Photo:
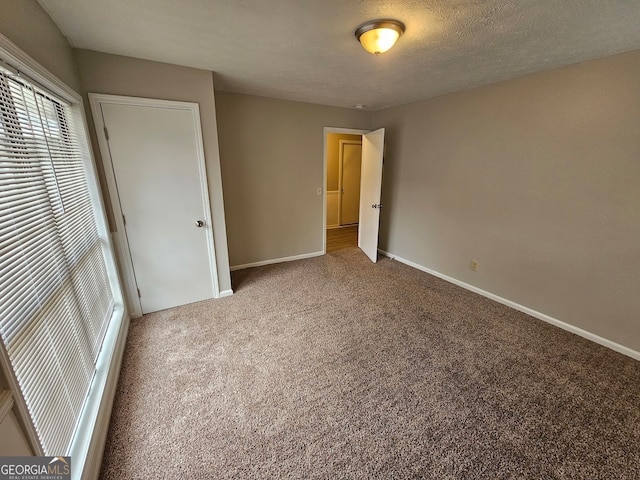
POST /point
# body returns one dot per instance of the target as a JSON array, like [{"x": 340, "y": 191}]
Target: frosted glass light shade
[{"x": 378, "y": 37}]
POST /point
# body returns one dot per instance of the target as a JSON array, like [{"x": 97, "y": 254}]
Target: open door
[{"x": 370, "y": 189}]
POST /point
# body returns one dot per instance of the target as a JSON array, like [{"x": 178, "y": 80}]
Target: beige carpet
[{"x": 334, "y": 367}]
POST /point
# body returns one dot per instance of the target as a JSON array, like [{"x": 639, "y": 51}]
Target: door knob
[{"x": 199, "y": 223}]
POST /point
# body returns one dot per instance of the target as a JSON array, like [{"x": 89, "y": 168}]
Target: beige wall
[
  {"x": 27, "y": 25},
  {"x": 116, "y": 75},
  {"x": 333, "y": 157},
  {"x": 539, "y": 180},
  {"x": 272, "y": 161}
]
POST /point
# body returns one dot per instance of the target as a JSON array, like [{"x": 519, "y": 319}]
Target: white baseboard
[
  {"x": 225, "y": 293},
  {"x": 516, "y": 306},
  {"x": 276, "y": 260}
]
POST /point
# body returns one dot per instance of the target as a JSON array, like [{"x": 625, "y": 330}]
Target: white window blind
[{"x": 55, "y": 295}]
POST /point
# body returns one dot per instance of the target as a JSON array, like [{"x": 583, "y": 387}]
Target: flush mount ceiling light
[{"x": 378, "y": 36}]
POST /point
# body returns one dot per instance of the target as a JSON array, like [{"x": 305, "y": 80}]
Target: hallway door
[{"x": 350, "y": 166}]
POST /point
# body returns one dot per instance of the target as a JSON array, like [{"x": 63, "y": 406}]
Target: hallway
[{"x": 344, "y": 237}]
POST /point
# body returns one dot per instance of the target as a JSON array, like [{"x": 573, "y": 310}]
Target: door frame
[
  {"x": 341, "y": 145},
  {"x": 123, "y": 253},
  {"x": 326, "y": 132}
]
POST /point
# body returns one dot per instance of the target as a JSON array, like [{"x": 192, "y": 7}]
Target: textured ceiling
[{"x": 305, "y": 50}]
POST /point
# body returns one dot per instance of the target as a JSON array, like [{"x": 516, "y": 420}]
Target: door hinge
[
  {"x": 139, "y": 295},
  {"x": 106, "y": 133}
]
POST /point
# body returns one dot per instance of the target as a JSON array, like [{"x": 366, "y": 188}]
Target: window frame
[{"x": 88, "y": 443}]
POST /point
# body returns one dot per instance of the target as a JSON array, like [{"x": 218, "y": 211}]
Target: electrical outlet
[{"x": 473, "y": 265}]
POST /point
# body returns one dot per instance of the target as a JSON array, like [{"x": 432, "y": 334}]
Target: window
[{"x": 56, "y": 298}]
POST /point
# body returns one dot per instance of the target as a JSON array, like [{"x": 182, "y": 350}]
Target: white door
[
  {"x": 158, "y": 167},
  {"x": 370, "y": 190},
  {"x": 350, "y": 164}
]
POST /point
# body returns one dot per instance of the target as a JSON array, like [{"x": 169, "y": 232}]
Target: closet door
[{"x": 155, "y": 151}]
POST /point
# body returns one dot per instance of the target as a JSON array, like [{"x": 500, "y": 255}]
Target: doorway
[
  {"x": 366, "y": 225},
  {"x": 343, "y": 159}
]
